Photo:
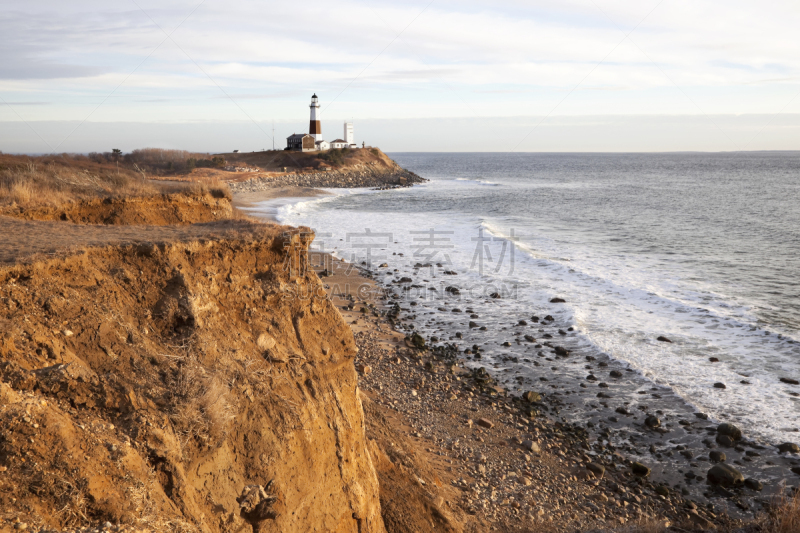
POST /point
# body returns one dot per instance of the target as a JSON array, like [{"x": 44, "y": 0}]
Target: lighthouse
[{"x": 314, "y": 127}]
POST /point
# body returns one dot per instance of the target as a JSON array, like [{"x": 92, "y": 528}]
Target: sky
[{"x": 467, "y": 75}]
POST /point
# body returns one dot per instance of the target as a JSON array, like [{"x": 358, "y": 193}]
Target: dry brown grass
[
  {"x": 55, "y": 180},
  {"x": 647, "y": 525},
  {"x": 201, "y": 407},
  {"x": 784, "y": 515},
  {"x": 277, "y": 160},
  {"x": 215, "y": 188}
]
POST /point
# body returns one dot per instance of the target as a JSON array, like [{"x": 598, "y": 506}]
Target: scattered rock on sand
[
  {"x": 719, "y": 385},
  {"x": 596, "y": 470},
  {"x": 725, "y": 475},
  {"x": 615, "y": 374},
  {"x": 663, "y": 339},
  {"x": 790, "y": 381},
  {"x": 485, "y": 423},
  {"x": 557, "y": 301},
  {"x": 703, "y": 523},
  {"x": 789, "y": 447},
  {"x": 531, "y": 446}
]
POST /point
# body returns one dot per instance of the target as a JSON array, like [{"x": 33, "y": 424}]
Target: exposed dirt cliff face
[
  {"x": 158, "y": 210},
  {"x": 151, "y": 384}
]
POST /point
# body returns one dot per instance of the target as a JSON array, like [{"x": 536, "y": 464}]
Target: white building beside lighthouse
[
  {"x": 348, "y": 134},
  {"x": 296, "y": 142}
]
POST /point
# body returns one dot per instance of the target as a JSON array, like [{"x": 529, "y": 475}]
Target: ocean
[{"x": 703, "y": 249}]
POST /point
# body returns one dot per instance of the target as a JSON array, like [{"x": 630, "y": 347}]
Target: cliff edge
[{"x": 189, "y": 386}]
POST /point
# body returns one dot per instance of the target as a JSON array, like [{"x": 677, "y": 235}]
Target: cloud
[
  {"x": 470, "y": 58},
  {"x": 12, "y": 103},
  {"x": 22, "y": 69}
]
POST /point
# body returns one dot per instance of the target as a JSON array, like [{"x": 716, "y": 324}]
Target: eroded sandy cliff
[{"x": 151, "y": 384}]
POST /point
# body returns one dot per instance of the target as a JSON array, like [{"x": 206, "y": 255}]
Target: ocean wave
[{"x": 482, "y": 182}]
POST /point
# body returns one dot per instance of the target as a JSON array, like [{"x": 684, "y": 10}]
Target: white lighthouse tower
[{"x": 315, "y": 129}]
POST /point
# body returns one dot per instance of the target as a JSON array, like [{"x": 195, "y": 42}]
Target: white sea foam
[
  {"x": 482, "y": 182},
  {"x": 619, "y": 304}
]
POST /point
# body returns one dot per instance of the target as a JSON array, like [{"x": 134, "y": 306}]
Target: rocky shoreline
[
  {"x": 357, "y": 176},
  {"x": 515, "y": 465},
  {"x": 547, "y": 455}
]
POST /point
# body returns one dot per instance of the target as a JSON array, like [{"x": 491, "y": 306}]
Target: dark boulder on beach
[
  {"x": 529, "y": 338},
  {"x": 789, "y": 447},
  {"x": 652, "y": 421},
  {"x": 534, "y": 319},
  {"x": 522, "y": 323},
  {"x": 452, "y": 290},
  {"x": 730, "y": 430},
  {"x": 753, "y": 484},
  {"x": 557, "y": 300},
  {"x": 549, "y": 318},
  {"x": 663, "y": 339},
  {"x": 640, "y": 470},
  {"x": 725, "y": 475},
  {"x": 560, "y": 350},
  {"x": 716, "y": 456},
  {"x": 790, "y": 381},
  {"x": 405, "y": 280},
  {"x": 495, "y": 295},
  {"x": 713, "y": 359},
  {"x": 719, "y": 385},
  {"x": 531, "y": 396},
  {"x": 724, "y": 440},
  {"x": 418, "y": 341},
  {"x": 615, "y": 374},
  {"x": 473, "y": 324}
]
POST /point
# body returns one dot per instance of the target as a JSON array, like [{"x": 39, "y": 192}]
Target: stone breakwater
[{"x": 359, "y": 176}]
